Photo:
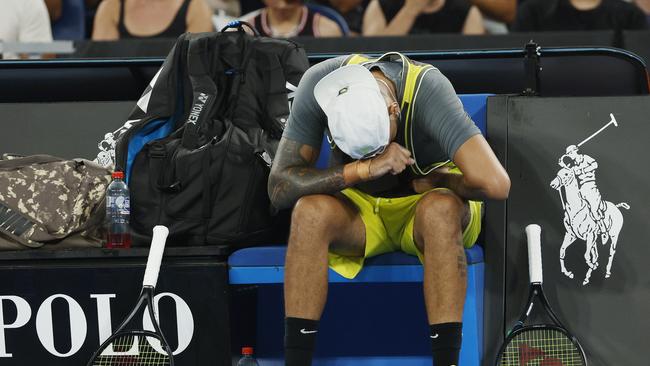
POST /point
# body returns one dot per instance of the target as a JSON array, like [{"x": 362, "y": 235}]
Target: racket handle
[
  {"x": 533, "y": 234},
  {"x": 155, "y": 255}
]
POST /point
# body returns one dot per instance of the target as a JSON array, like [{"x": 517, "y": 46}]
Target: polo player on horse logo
[
  {"x": 584, "y": 167},
  {"x": 586, "y": 214}
]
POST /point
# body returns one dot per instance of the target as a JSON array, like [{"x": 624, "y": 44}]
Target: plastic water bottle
[
  {"x": 247, "y": 357},
  {"x": 118, "y": 210}
]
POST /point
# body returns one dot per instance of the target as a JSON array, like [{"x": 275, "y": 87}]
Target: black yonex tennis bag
[{"x": 196, "y": 150}]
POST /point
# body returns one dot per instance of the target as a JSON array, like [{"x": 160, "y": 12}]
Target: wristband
[{"x": 363, "y": 169}]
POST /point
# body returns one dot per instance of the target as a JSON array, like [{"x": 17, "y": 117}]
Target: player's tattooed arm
[{"x": 293, "y": 174}]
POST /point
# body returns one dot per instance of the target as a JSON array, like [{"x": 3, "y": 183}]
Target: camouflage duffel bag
[{"x": 49, "y": 201}]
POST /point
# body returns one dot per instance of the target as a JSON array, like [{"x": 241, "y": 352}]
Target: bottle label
[{"x": 121, "y": 205}]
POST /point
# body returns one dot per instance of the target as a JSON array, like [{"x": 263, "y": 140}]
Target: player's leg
[
  {"x": 440, "y": 219},
  {"x": 318, "y": 223}
]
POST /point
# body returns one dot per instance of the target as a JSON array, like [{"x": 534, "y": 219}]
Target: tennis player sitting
[{"x": 400, "y": 140}]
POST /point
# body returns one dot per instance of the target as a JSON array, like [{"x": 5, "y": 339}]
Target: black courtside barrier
[
  {"x": 57, "y": 307},
  {"x": 567, "y": 71},
  {"x": 562, "y": 155}
]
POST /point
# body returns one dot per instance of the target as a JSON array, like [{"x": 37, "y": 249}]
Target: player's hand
[{"x": 393, "y": 160}]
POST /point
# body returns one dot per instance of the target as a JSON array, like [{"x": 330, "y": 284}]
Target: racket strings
[
  {"x": 541, "y": 347},
  {"x": 132, "y": 350}
]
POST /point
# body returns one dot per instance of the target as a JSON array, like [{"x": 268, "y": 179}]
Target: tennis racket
[
  {"x": 539, "y": 344},
  {"x": 130, "y": 344}
]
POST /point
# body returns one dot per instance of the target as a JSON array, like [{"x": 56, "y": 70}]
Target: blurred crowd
[{"x": 102, "y": 20}]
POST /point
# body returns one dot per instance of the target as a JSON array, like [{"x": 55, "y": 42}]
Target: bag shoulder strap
[
  {"x": 204, "y": 90},
  {"x": 12, "y": 164},
  {"x": 276, "y": 107}
]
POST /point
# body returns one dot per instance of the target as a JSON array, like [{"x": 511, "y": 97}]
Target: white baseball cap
[{"x": 356, "y": 111}]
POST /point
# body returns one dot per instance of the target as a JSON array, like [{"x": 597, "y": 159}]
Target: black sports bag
[{"x": 198, "y": 147}]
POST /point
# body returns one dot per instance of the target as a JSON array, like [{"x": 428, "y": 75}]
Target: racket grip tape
[
  {"x": 533, "y": 234},
  {"x": 155, "y": 255}
]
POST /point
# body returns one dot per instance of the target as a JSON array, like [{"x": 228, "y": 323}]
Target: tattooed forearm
[
  {"x": 294, "y": 176},
  {"x": 456, "y": 182}
]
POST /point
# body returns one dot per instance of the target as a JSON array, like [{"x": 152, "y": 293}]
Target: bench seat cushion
[{"x": 274, "y": 256}]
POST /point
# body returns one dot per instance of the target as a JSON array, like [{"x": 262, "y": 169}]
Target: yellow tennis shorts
[{"x": 389, "y": 227}]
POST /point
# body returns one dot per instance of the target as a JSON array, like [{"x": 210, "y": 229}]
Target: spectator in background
[
  {"x": 54, "y": 8},
  {"x": 92, "y": 4},
  {"x": 229, "y": 7},
  {"x": 351, "y": 10},
  {"x": 120, "y": 19},
  {"x": 576, "y": 15},
  {"x": 645, "y": 7},
  {"x": 24, "y": 21},
  {"x": 400, "y": 17},
  {"x": 291, "y": 18},
  {"x": 500, "y": 10},
  {"x": 91, "y": 10},
  {"x": 224, "y": 11}
]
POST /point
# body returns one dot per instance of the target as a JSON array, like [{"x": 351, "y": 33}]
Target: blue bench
[{"x": 265, "y": 266}]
